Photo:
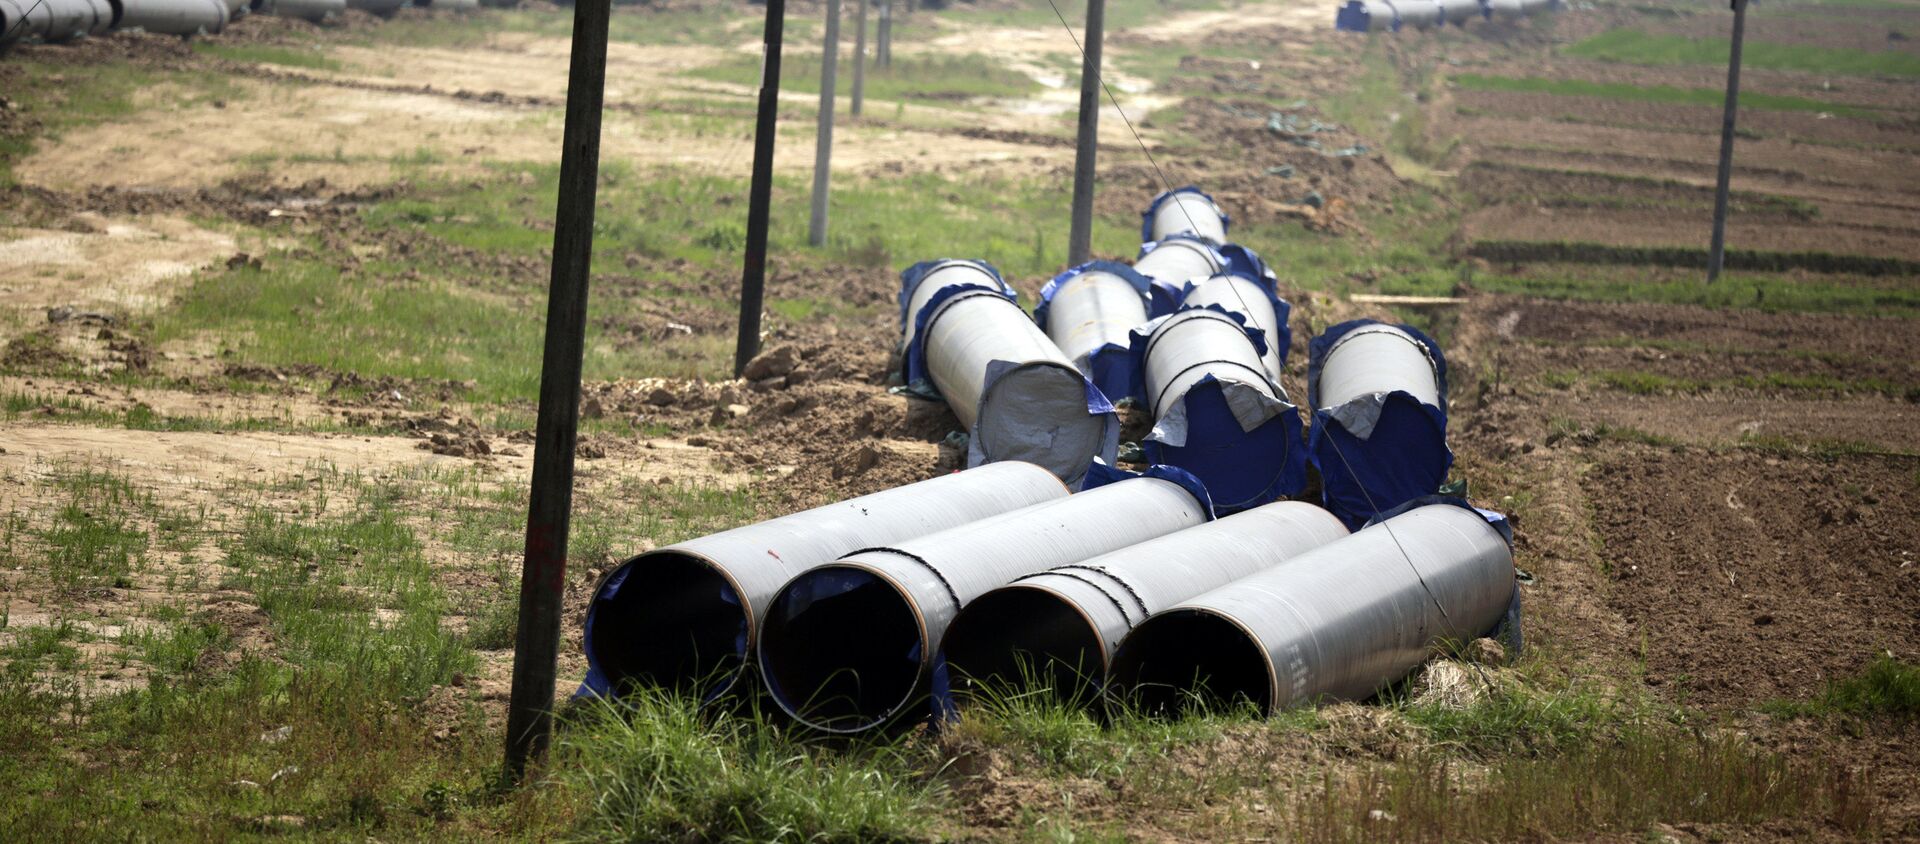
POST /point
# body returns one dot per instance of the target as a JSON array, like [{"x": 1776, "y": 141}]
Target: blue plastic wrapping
[
  {"x": 1244, "y": 444},
  {"x": 1377, "y": 451}
]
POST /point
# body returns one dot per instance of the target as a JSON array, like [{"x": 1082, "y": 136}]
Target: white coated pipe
[
  {"x": 1255, "y": 301},
  {"x": 310, "y": 10},
  {"x": 65, "y": 20},
  {"x": 849, "y": 646},
  {"x": 1060, "y": 627},
  {"x": 1458, "y": 12},
  {"x": 682, "y": 616},
  {"x": 1419, "y": 14},
  {"x": 1375, "y": 359},
  {"x": 1339, "y": 622},
  {"x": 929, "y": 278},
  {"x": 1093, "y": 309},
  {"x": 1186, "y": 211},
  {"x": 174, "y": 17},
  {"x": 1216, "y": 413},
  {"x": 383, "y": 8}
]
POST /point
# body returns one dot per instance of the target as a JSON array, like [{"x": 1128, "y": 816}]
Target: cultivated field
[{"x": 271, "y": 307}]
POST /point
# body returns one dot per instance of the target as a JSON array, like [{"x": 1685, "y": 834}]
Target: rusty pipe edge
[
  {"x": 848, "y": 647},
  {"x": 1339, "y": 622},
  {"x": 683, "y": 616}
]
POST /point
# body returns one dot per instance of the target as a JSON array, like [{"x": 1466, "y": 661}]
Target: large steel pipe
[
  {"x": 1172, "y": 262},
  {"x": 22, "y": 20},
  {"x": 1257, "y": 301},
  {"x": 64, "y": 20},
  {"x": 850, "y": 646},
  {"x": 1059, "y": 628},
  {"x": 1216, "y": 412},
  {"x": 683, "y": 616},
  {"x": 1013, "y": 390},
  {"x": 449, "y": 5},
  {"x": 1419, "y": 14},
  {"x": 1090, "y": 312},
  {"x": 310, "y": 10},
  {"x": 1379, "y": 437},
  {"x": 1458, "y": 12},
  {"x": 1341, "y": 621},
  {"x": 174, "y": 17},
  {"x": 383, "y": 8},
  {"x": 1185, "y": 210},
  {"x": 920, "y": 282}
]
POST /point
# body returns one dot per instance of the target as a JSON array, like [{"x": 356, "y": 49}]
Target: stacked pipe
[
  {"x": 1341, "y": 621},
  {"x": 174, "y": 17},
  {"x": 1060, "y": 627},
  {"x": 1018, "y": 396},
  {"x": 1189, "y": 212},
  {"x": 383, "y": 8},
  {"x": 1395, "y": 15},
  {"x": 684, "y": 616},
  {"x": 1090, "y": 312},
  {"x": 1379, "y": 435},
  {"x": 54, "y": 20},
  {"x": 1173, "y": 261},
  {"x": 850, "y": 646}
]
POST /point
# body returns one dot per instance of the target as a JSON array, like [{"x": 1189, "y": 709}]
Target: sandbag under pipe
[
  {"x": 1379, "y": 435},
  {"x": 309, "y": 10},
  {"x": 683, "y": 616},
  {"x": 1216, "y": 412},
  {"x": 851, "y": 646},
  {"x": 1059, "y": 628},
  {"x": 1339, "y": 622},
  {"x": 174, "y": 17},
  {"x": 1259, "y": 303},
  {"x": 1183, "y": 210},
  {"x": 1090, "y": 312},
  {"x": 1016, "y": 394}
]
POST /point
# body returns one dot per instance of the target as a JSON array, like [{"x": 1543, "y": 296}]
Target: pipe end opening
[
  {"x": 675, "y": 622},
  {"x": 1188, "y": 661},
  {"x": 842, "y": 649},
  {"x": 1018, "y": 639}
]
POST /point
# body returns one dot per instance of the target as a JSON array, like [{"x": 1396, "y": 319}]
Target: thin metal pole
[
  {"x": 823, "y": 145},
  {"x": 1718, "y": 255},
  {"x": 1080, "y": 236},
  {"x": 859, "y": 54},
  {"x": 759, "y": 193},
  {"x": 883, "y": 53},
  {"x": 544, "y": 570}
]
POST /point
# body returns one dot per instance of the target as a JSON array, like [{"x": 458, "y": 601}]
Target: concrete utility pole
[
  {"x": 1080, "y": 236},
  {"x": 543, "y": 572},
  {"x": 823, "y": 145},
  {"x": 753, "y": 275},
  {"x": 859, "y": 55},
  {"x": 883, "y": 53},
  {"x": 1717, "y": 257}
]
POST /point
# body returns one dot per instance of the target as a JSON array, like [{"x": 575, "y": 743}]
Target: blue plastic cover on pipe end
[
  {"x": 911, "y": 277},
  {"x": 1403, "y": 457},
  {"x": 1206, "y": 434},
  {"x": 1243, "y": 261},
  {"x": 1146, "y": 217},
  {"x": 1318, "y": 347},
  {"x": 1104, "y": 472},
  {"x": 1352, "y": 17},
  {"x": 1126, "y": 273},
  {"x": 1110, "y": 368}
]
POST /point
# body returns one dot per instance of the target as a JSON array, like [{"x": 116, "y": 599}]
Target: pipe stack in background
[
  {"x": 1379, "y": 435},
  {"x": 1090, "y": 311},
  {"x": 174, "y": 17},
  {"x": 61, "y": 21},
  {"x": 851, "y": 646},
  {"x": 1018, "y": 396},
  {"x": 685, "y": 616},
  {"x": 311, "y": 10},
  {"x": 1395, "y": 15}
]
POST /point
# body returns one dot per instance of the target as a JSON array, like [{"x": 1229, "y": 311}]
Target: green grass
[
  {"x": 932, "y": 77},
  {"x": 1650, "y": 93},
  {"x": 1629, "y": 46},
  {"x": 268, "y": 54},
  {"x": 1886, "y": 687}
]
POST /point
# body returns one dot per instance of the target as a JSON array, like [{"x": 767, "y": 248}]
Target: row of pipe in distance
[
  {"x": 60, "y": 21},
  {"x": 1395, "y": 15},
  {"x": 1042, "y": 564}
]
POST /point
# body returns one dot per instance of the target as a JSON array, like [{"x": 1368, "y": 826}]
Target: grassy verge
[
  {"x": 1628, "y": 46},
  {"x": 1759, "y": 291},
  {"x": 1650, "y": 93},
  {"x": 268, "y": 54}
]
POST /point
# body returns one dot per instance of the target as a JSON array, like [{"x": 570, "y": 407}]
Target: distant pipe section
[
  {"x": 1339, "y": 622},
  {"x": 64, "y": 20},
  {"x": 1395, "y": 15},
  {"x": 174, "y": 17},
  {"x": 1018, "y": 396},
  {"x": 1257, "y": 301},
  {"x": 1058, "y": 629},
  {"x": 1090, "y": 312},
  {"x": 683, "y": 616},
  {"x": 1217, "y": 414},
  {"x": 308, "y": 10},
  {"x": 1185, "y": 210},
  {"x": 1173, "y": 262},
  {"x": 1379, "y": 437},
  {"x": 383, "y": 8},
  {"x": 850, "y": 646},
  {"x": 1459, "y": 12}
]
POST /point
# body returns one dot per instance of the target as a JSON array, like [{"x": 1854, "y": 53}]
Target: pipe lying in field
[
  {"x": 1090, "y": 311},
  {"x": 683, "y": 616},
  {"x": 1174, "y": 261},
  {"x": 56, "y": 21},
  {"x": 1458, "y": 12},
  {"x": 850, "y": 646},
  {"x": 174, "y": 17},
  {"x": 1059, "y": 628},
  {"x": 1419, "y": 14},
  {"x": 1379, "y": 436},
  {"x": 1341, "y": 621},
  {"x": 1216, "y": 412},
  {"x": 1185, "y": 210},
  {"x": 920, "y": 282},
  {"x": 309, "y": 10},
  {"x": 1255, "y": 300},
  {"x": 1013, "y": 390},
  {"x": 21, "y": 20},
  {"x": 383, "y": 8},
  {"x": 1366, "y": 16}
]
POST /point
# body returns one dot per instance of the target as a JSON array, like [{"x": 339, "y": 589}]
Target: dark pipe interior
[
  {"x": 675, "y": 622},
  {"x": 256, "y": 5},
  {"x": 1013, "y": 640},
  {"x": 1187, "y": 660},
  {"x": 841, "y": 649},
  {"x": 118, "y": 10}
]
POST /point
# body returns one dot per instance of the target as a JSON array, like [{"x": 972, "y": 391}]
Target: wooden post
[{"x": 1080, "y": 234}]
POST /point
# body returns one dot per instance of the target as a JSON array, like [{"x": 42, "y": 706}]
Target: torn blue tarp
[
  {"x": 1183, "y": 214},
  {"x": 1101, "y": 318},
  {"x": 1385, "y": 442},
  {"x": 1243, "y": 261}
]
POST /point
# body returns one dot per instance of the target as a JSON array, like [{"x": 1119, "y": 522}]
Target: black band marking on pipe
[{"x": 937, "y": 575}]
